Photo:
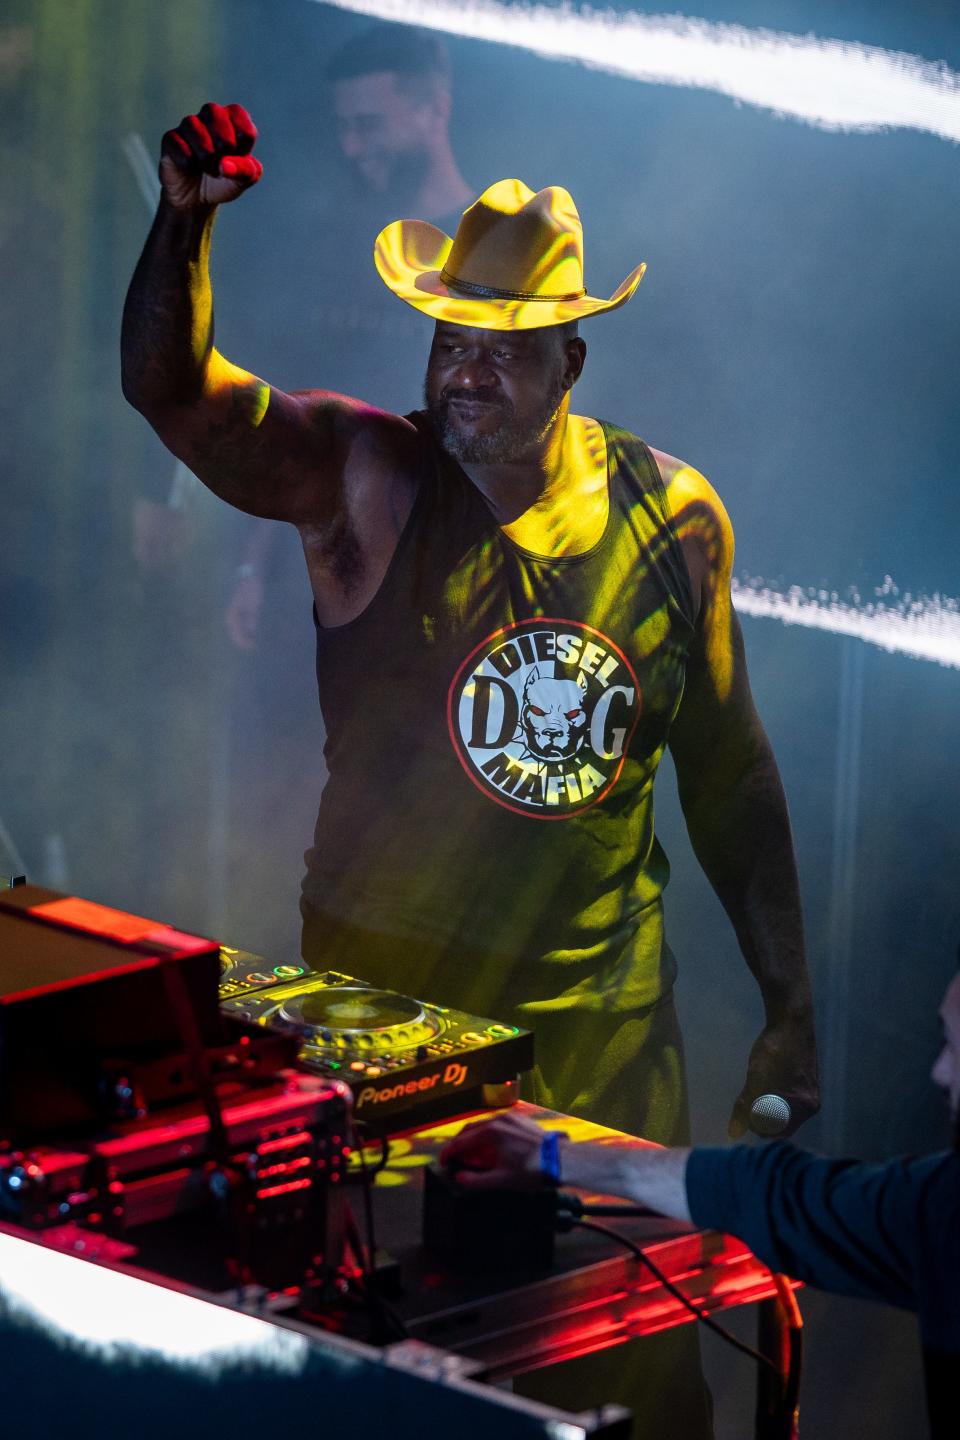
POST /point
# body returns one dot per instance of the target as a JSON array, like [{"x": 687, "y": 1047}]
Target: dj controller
[{"x": 395, "y": 1053}]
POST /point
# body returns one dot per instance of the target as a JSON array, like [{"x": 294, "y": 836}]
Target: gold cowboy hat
[{"x": 515, "y": 263}]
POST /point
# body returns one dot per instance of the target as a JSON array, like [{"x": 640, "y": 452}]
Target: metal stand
[{"x": 780, "y": 1338}]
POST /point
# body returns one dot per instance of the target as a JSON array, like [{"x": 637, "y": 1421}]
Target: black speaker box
[
  {"x": 83, "y": 997},
  {"x": 479, "y": 1232}
]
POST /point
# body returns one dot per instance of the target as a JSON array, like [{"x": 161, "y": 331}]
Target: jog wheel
[{"x": 357, "y": 1017}]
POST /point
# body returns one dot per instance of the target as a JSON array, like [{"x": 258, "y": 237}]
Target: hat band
[{"x": 490, "y": 292}]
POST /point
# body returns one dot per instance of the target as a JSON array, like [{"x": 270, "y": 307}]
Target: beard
[
  {"x": 513, "y": 437},
  {"x": 396, "y": 182}
]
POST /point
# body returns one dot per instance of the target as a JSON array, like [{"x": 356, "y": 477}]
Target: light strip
[
  {"x": 833, "y": 84},
  {"x": 109, "y": 1312},
  {"x": 927, "y": 628}
]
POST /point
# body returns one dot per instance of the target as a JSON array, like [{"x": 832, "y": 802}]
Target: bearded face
[{"x": 493, "y": 396}]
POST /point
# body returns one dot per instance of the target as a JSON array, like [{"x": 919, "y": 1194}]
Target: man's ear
[{"x": 575, "y": 358}]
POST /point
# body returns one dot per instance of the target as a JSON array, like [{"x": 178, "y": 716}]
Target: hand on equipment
[
  {"x": 206, "y": 160},
  {"x": 506, "y": 1152},
  {"x": 782, "y": 1064}
]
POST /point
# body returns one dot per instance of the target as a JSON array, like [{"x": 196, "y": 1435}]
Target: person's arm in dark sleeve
[{"x": 841, "y": 1225}]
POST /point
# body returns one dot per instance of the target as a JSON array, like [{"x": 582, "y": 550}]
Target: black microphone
[{"x": 769, "y": 1115}]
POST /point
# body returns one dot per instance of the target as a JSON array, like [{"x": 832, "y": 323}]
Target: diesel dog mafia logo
[
  {"x": 541, "y": 714},
  {"x": 447, "y": 1077}
]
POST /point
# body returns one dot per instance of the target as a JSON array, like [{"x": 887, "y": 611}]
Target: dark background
[{"x": 795, "y": 338}]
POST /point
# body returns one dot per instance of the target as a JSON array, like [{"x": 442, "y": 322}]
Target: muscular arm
[
  {"x": 254, "y": 446},
  {"x": 735, "y": 809},
  {"x": 281, "y": 456}
]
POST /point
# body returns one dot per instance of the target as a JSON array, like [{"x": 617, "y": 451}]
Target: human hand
[
  {"x": 161, "y": 535},
  {"x": 783, "y": 1061},
  {"x": 495, "y": 1154},
  {"x": 242, "y": 615},
  {"x": 206, "y": 160}
]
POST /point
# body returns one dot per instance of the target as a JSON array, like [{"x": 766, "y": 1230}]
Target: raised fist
[{"x": 206, "y": 160}]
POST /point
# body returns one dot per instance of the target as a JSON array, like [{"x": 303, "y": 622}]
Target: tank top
[{"x": 494, "y": 722}]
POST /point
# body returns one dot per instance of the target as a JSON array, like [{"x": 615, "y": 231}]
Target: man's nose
[
  {"x": 942, "y": 1071},
  {"x": 474, "y": 372},
  {"x": 351, "y": 143}
]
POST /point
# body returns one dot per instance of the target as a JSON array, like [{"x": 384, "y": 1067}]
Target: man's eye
[
  {"x": 571, "y": 714},
  {"x": 535, "y": 711}
]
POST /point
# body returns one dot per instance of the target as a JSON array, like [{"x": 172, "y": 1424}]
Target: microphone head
[{"x": 769, "y": 1115}]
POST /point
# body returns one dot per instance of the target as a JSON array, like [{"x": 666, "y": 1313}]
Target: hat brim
[{"x": 410, "y": 254}]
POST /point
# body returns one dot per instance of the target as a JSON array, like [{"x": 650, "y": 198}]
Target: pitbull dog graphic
[{"x": 553, "y": 721}]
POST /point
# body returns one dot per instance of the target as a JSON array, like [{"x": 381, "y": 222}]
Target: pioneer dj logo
[
  {"x": 449, "y": 1078},
  {"x": 541, "y": 714}
]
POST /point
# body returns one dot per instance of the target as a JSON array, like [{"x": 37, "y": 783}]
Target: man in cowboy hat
[{"x": 516, "y": 606}]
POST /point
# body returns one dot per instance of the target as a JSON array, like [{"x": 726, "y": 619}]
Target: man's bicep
[
  {"x": 716, "y": 690},
  {"x": 716, "y": 718},
  {"x": 276, "y": 455}
]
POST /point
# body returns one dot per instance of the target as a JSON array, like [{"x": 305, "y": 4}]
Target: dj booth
[{"x": 219, "y": 1205}]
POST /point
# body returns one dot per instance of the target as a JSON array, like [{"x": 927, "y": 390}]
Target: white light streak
[
  {"x": 110, "y": 1312},
  {"x": 833, "y": 84},
  {"x": 144, "y": 168},
  {"x": 925, "y": 627}
]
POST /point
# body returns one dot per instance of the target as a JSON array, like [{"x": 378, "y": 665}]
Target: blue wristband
[{"x": 550, "y": 1157}]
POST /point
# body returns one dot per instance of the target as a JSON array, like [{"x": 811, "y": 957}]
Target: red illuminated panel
[
  {"x": 108, "y": 924},
  {"x": 177, "y": 940},
  {"x": 95, "y": 919}
]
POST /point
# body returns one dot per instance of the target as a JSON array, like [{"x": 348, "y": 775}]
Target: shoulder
[
  {"x": 378, "y": 457},
  {"x": 356, "y": 425},
  {"x": 690, "y": 494},
  {"x": 701, "y": 524},
  {"x": 372, "y": 447}
]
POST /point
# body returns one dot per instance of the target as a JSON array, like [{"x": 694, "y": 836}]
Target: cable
[
  {"x": 367, "y": 1185},
  {"x": 382, "y": 1312},
  {"x": 790, "y": 1380},
  {"x": 359, "y": 1128},
  {"x": 674, "y": 1290}
]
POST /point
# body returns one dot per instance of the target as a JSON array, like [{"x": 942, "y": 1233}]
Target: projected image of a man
[
  {"x": 389, "y": 98},
  {"x": 391, "y": 102}
]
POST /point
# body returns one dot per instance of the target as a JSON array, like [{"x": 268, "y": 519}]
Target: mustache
[{"x": 477, "y": 397}]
